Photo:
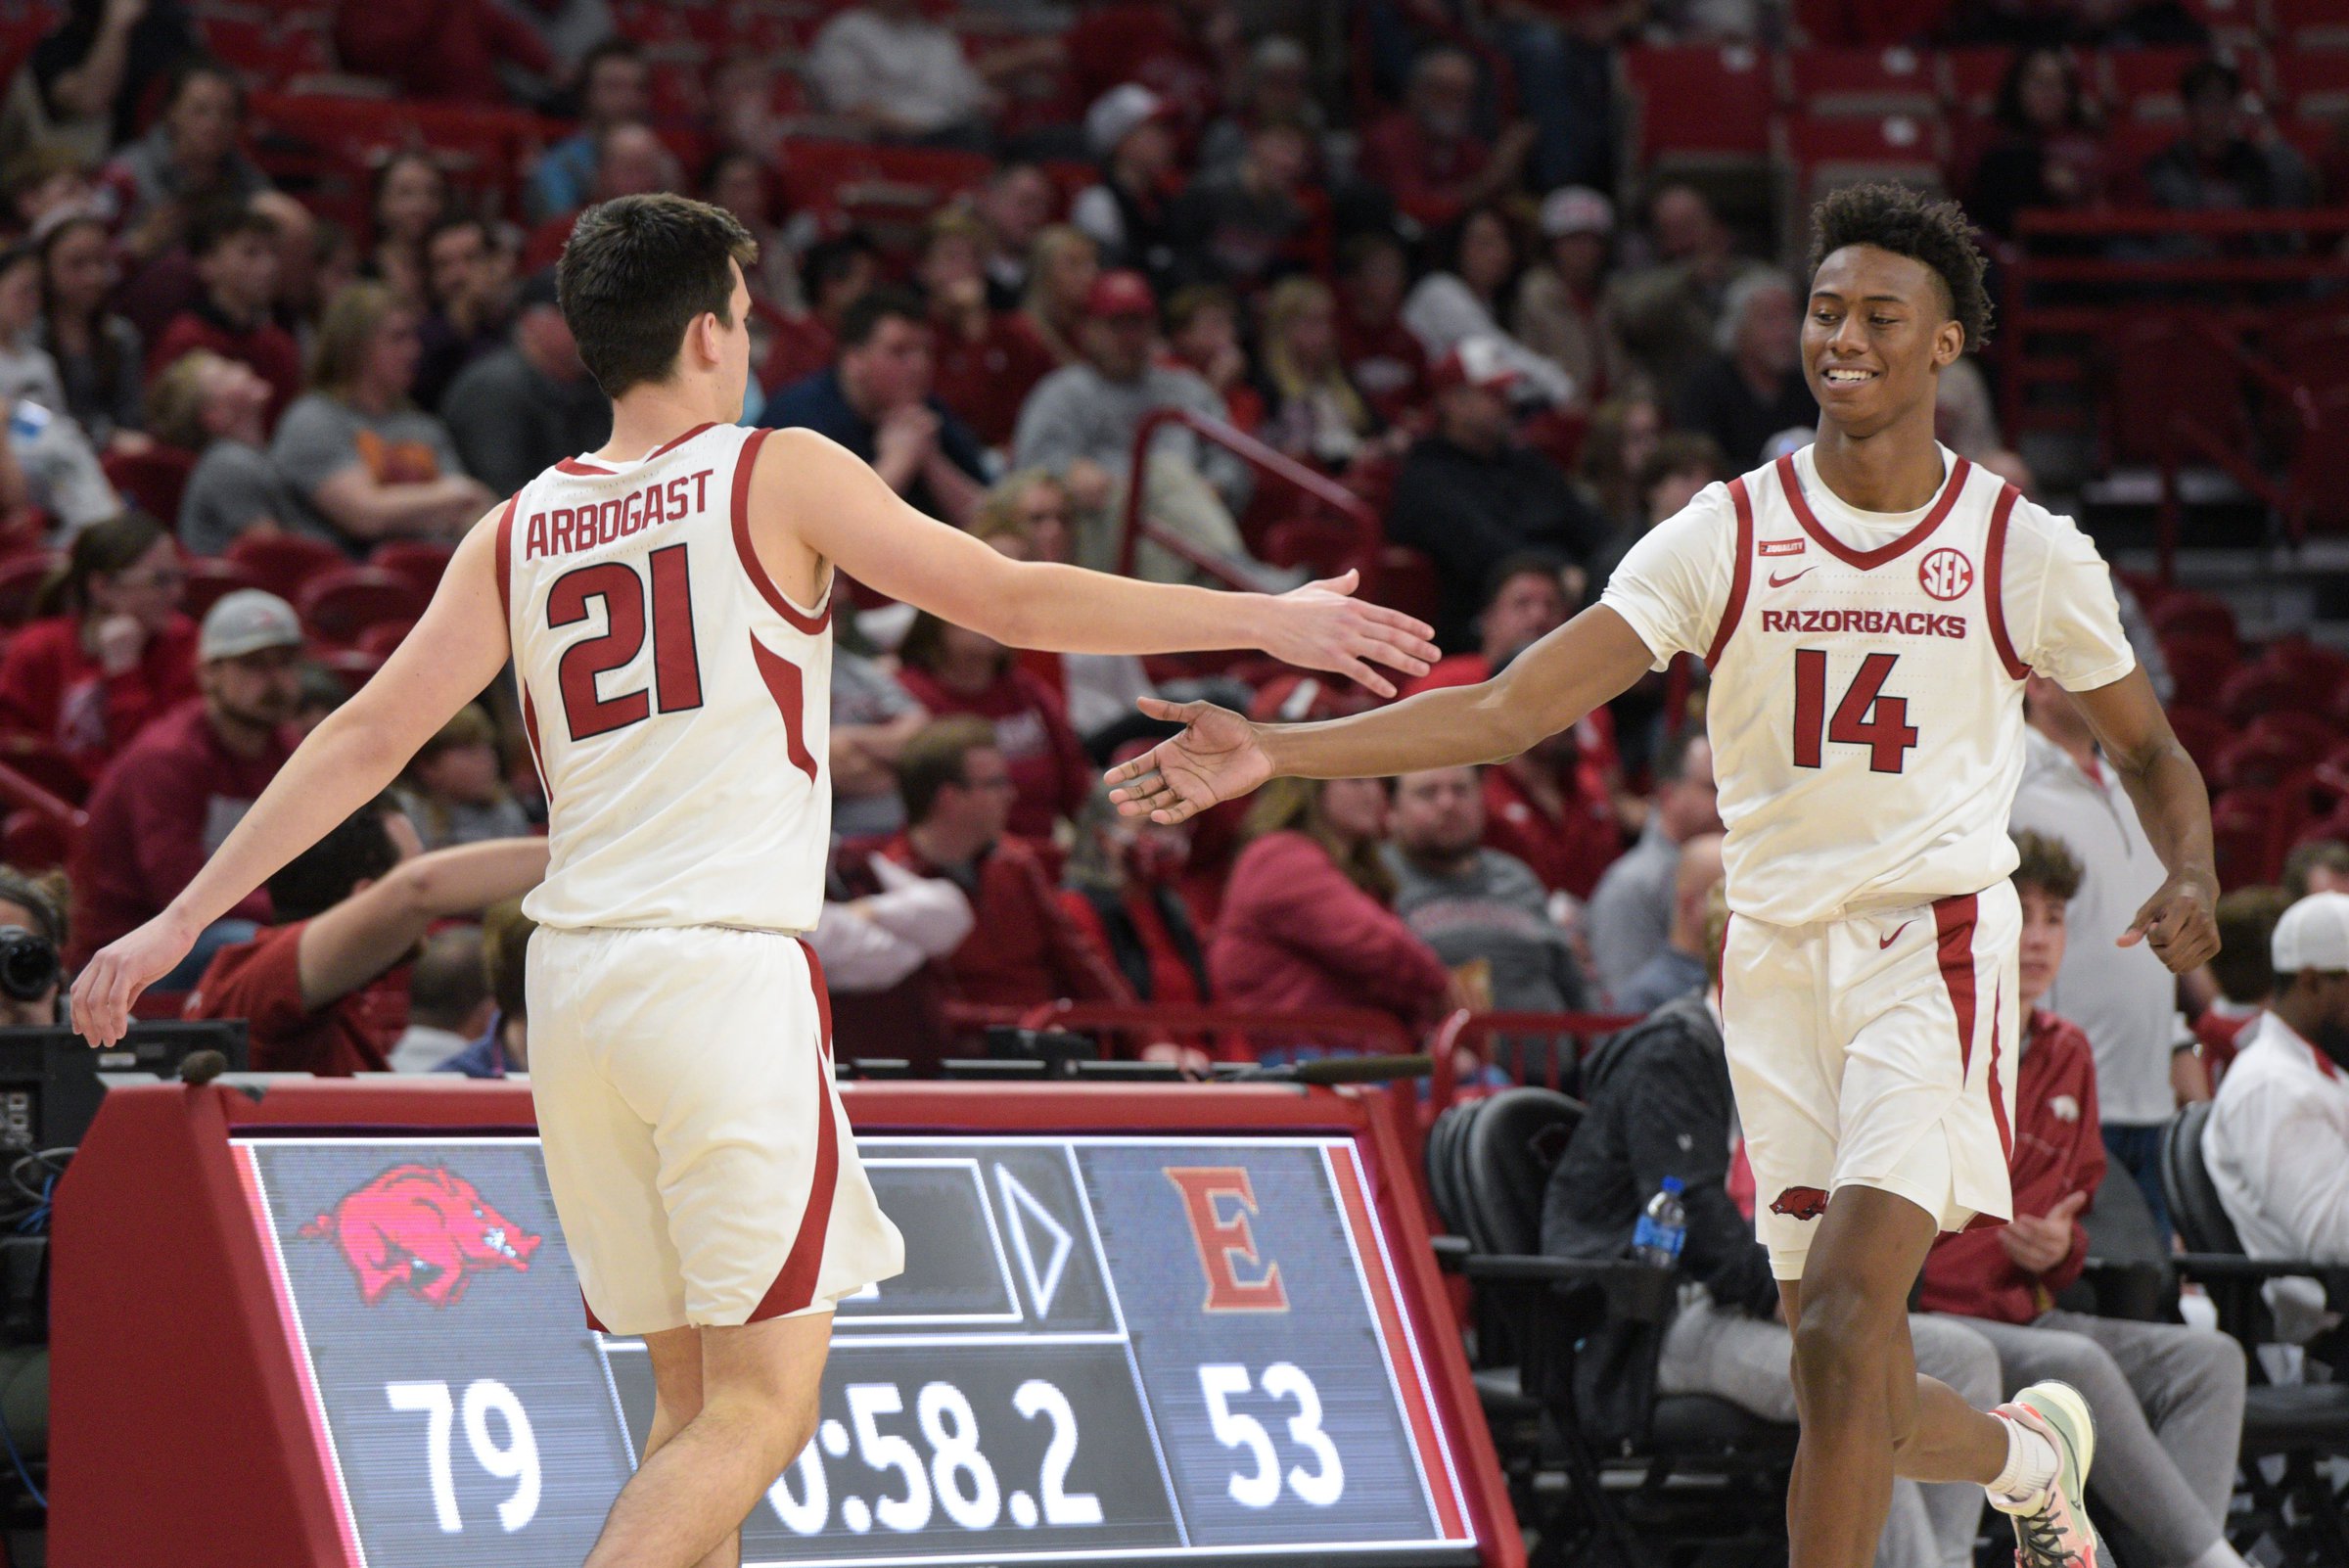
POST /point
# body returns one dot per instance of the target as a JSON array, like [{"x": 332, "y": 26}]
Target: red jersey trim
[
  {"x": 505, "y": 561},
  {"x": 1868, "y": 560},
  {"x": 811, "y": 623},
  {"x": 794, "y": 1285},
  {"x": 1993, "y": 583},
  {"x": 1741, "y": 575},
  {"x": 592, "y": 469},
  {"x": 1953, "y": 920},
  {"x": 573, "y": 465},
  {"x": 1997, "y": 1097}
]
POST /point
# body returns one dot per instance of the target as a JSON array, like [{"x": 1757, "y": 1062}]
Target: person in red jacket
[
  {"x": 1024, "y": 948},
  {"x": 324, "y": 991},
  {"x": 1426, "y": 153},
  {"x": 1541, "y": 807},
  {"x": 952, "y": 670},
  {"x": 111, "y": 650},
  {"x": 2168, "y": 1399},
  {"x": 1308, "y": 917},
  {"x": 235, "y": 252}
]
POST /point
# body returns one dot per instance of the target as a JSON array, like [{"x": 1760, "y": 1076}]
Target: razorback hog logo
[
  {"x": 1800, "y": 1203},
  {"x": 423, "y": 1228}
]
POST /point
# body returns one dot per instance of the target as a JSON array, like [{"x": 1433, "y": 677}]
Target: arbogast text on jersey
[
  {"x": 677, "y": 702},
  {"x": 1866, "y": 705}
]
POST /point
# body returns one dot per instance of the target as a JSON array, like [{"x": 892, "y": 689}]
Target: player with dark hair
[
  {"x": 1869, "y": 607},
  {"x": 666, "y": 603}
]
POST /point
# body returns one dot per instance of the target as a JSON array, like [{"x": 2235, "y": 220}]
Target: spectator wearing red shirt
[
  {"x": 1425, "y": 155},
  {"x": 952, "y": 669},
  {"x": 317, "y": 988},
  {"x": 2169, "y": 1399},
  {"x": 985, "y": 363},
  {"x": 1382, "y": 357},
  {"x": 1539, "y": 808},
  {"x": 111, "y": 650},
  {"x": 1120, "y": 888},
  {"x": 833, "y": 275},
  {"x": 235, "y": 250},
  {"x": 446, "y": 50},
  {"x": 1308, "y": 917},
  {"x": 1024, "y": 949},
  {"x": 165, "y": 804},
  {"x": 1182, "y": 50}
]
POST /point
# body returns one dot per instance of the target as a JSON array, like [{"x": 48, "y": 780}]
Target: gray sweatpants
[
  {"x": 2169, "y": 1408},
  {"x": 1750, "y": 1363}
]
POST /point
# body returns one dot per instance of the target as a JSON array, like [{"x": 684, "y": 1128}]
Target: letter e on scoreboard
[{"x": 1218, "y": 1199}]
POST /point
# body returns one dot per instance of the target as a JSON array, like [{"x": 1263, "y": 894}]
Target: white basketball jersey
[
  {"x": 1867, "y": 706},
  {"x": 678, "y": 703}
]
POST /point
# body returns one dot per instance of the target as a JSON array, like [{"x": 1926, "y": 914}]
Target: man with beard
[{"x": 167, "y": 800}]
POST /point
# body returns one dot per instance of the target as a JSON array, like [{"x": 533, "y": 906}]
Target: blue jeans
[{"x": 2137, "y": 1151}]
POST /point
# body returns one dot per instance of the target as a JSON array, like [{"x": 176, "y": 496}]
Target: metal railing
[{"x": 1134, "y": 526}]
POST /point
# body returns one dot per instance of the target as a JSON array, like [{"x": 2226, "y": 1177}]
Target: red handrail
[
  {"x": 1257, "y": 455},
  {"x": 1365, "y": 1024},
  {"x": 17, "y": 788}
]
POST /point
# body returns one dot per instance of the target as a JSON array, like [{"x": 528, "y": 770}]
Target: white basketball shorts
[
  {"x": 700, "y": 1158},
  {"x": 1875, "y": 1051}
]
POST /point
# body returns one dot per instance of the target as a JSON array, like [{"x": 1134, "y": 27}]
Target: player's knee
[{"x": 1844, "y": 1336}]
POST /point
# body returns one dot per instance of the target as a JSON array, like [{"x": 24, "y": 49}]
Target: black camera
[{"x": 30, "y": 968}]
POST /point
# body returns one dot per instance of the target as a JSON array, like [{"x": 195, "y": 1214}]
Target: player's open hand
[
  {"x": 1323, "y": 627},
  {"x": 103, "y": 992},
  {"x": 2179, "y": 923},
  {"x": 1217, "y": 757}
]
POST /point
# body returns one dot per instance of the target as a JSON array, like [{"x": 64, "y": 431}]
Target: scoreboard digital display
[{"x": 1145, "y": 1349}]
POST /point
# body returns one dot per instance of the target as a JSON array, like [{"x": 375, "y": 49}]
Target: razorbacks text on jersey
[
  {"x": 1865, "y": 706},
  {"x": 677, "y": 702}
]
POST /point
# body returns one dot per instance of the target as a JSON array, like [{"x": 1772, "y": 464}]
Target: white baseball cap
[
  {"x": 246, "y": 622},
  {"x": 1577, "y": 209},
  {"x": 2314, "y": 933},
  {"x": 1118, "y": 114}
]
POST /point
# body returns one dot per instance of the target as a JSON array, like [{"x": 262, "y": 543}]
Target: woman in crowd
[
  {"x": 411, "y": 198},
  {"x": 1120, "y": 887},
  {"x": 1472, "y": 294},
  {"x": 1061, "y": 272},
  {"x": 987, "y": 361},
  {"x": 2049, "y": 150},
  {"x": 216, "y": 409},
  {"x": 1308, "y": 918},
  {"x": 743, "y": 184},
  {"x": 27, "y": 371},
  {"x": 188, "y": 159},
  {"x": 454, "y": 790},
  {"x": 1314, "y": 411},
  {"x": 363, "y": 460},
  {"x": 1623, "y": 435},
  {"x": 111, "y": 649},
  {"x": 98, "y": 354},
  {"x": 1203, "y": 334},
  {"x": 952, "y": 669}
]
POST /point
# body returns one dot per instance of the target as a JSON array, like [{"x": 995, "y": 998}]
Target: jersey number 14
[{"x": 1866, "y": 717}]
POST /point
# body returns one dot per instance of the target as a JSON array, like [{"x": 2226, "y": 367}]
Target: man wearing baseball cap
[
  {"x": 1130, "y": 214},
  {"x": 168, "y": 799},
  {"x": 1081, "y": 420},
  {"x": 1471, "y": 494},
  {"x": 1560, "y": 312},
  {"x": 2278, "y": 1140}
]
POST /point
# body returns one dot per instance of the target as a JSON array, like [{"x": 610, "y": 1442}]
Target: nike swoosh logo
[
  {"x": 1883, "y": 943},
  {"x": 1778, "y": 582}
]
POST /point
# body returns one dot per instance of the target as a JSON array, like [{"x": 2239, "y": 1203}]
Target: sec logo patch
[{"x": 1945, "y": 573}]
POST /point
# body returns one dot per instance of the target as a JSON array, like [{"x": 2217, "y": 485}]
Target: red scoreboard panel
[{"x": 334, "y": 1323}]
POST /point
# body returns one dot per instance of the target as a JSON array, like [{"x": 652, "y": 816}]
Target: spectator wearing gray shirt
[
  {"x": 1630, "y": 919},
  {"x": 1484, "y": 913},
  {"x": 1678, "y": 966},
  {"x": 217, "y": 406},
  {"x": 872, "y": 719},
  {"x": 364, "y": 463},
  {"x": 1079, "y": 423},
  {"x": 518, "y": 410}
]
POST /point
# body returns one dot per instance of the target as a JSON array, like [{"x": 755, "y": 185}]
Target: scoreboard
[{"x": 1136, "y": 1325}]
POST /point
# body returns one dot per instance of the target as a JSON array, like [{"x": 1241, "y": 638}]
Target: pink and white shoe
[{"x": 2052, "y": 1530}]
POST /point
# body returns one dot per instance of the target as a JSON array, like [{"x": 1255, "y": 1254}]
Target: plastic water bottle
[{"x": 1663, "y": 1226}]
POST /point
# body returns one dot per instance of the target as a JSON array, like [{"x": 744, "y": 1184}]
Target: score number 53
[{"x": 1320, "y": 1485}]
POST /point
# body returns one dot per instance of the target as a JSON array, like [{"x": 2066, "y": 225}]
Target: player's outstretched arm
[
  {"x": 810, "y": 488},
  {"x": 1549, "y": 686},
  {"x": 454, "y": 652},
  {"x": 2181, "y": 920}
]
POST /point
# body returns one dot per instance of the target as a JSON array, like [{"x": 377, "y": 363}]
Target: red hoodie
[
  {"x": 53, "y": 690},
  {"x": 1294, "y": 932},
  {"x": 2059, "y": 1150}
]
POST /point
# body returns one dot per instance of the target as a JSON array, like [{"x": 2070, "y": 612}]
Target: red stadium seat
[
  {"x": 2143, "y": 83},
  {"x": 1899, "y": 80},
  {"x": 2312, "y": 83},
  {"x": 420, "y": 560},
  {"x": 2239, "y": 825},
  {"x": 285, "y": 563},
  {"x": 42, "y": 763},
  {"x": 1970, "y": 77},
  {"x": 21, "y": 580},
  {"x": 354, "y": 666},
  {"x": 2199, "y": 666},
  {"x": 2254, "y": 690},
  {"x": 1829, "y": 152},
  {"x": 383, "y": 636},
  {"x": 2163, "y": 373},
  {"x": 1407, "y": 581},
  {"x": 1868, "y": 22},
  {"x": 209, "y": 580},
  {"x": 1322, "y": 543},
  {"x": 2310, "y": 662},
  {"x": 152, "y": 481},
  {"x": 336, "y": 607},
  {"x": 2194, "y": 614},
  {"x": 2294, "y": 24},
  {"x": 1698, "y": 103},
  {"x": 36, "y": 841},
  {"x": 2257, "y": 761},
  {"x": 2310, "y": 735}
]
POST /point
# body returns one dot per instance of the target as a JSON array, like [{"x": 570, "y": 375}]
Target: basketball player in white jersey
[
  {"x": 1869, "y": 608},
  {"x": 665, "y": 602}
]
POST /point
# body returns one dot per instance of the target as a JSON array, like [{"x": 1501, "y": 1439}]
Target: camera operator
[{"x": 33, "y": 933}]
